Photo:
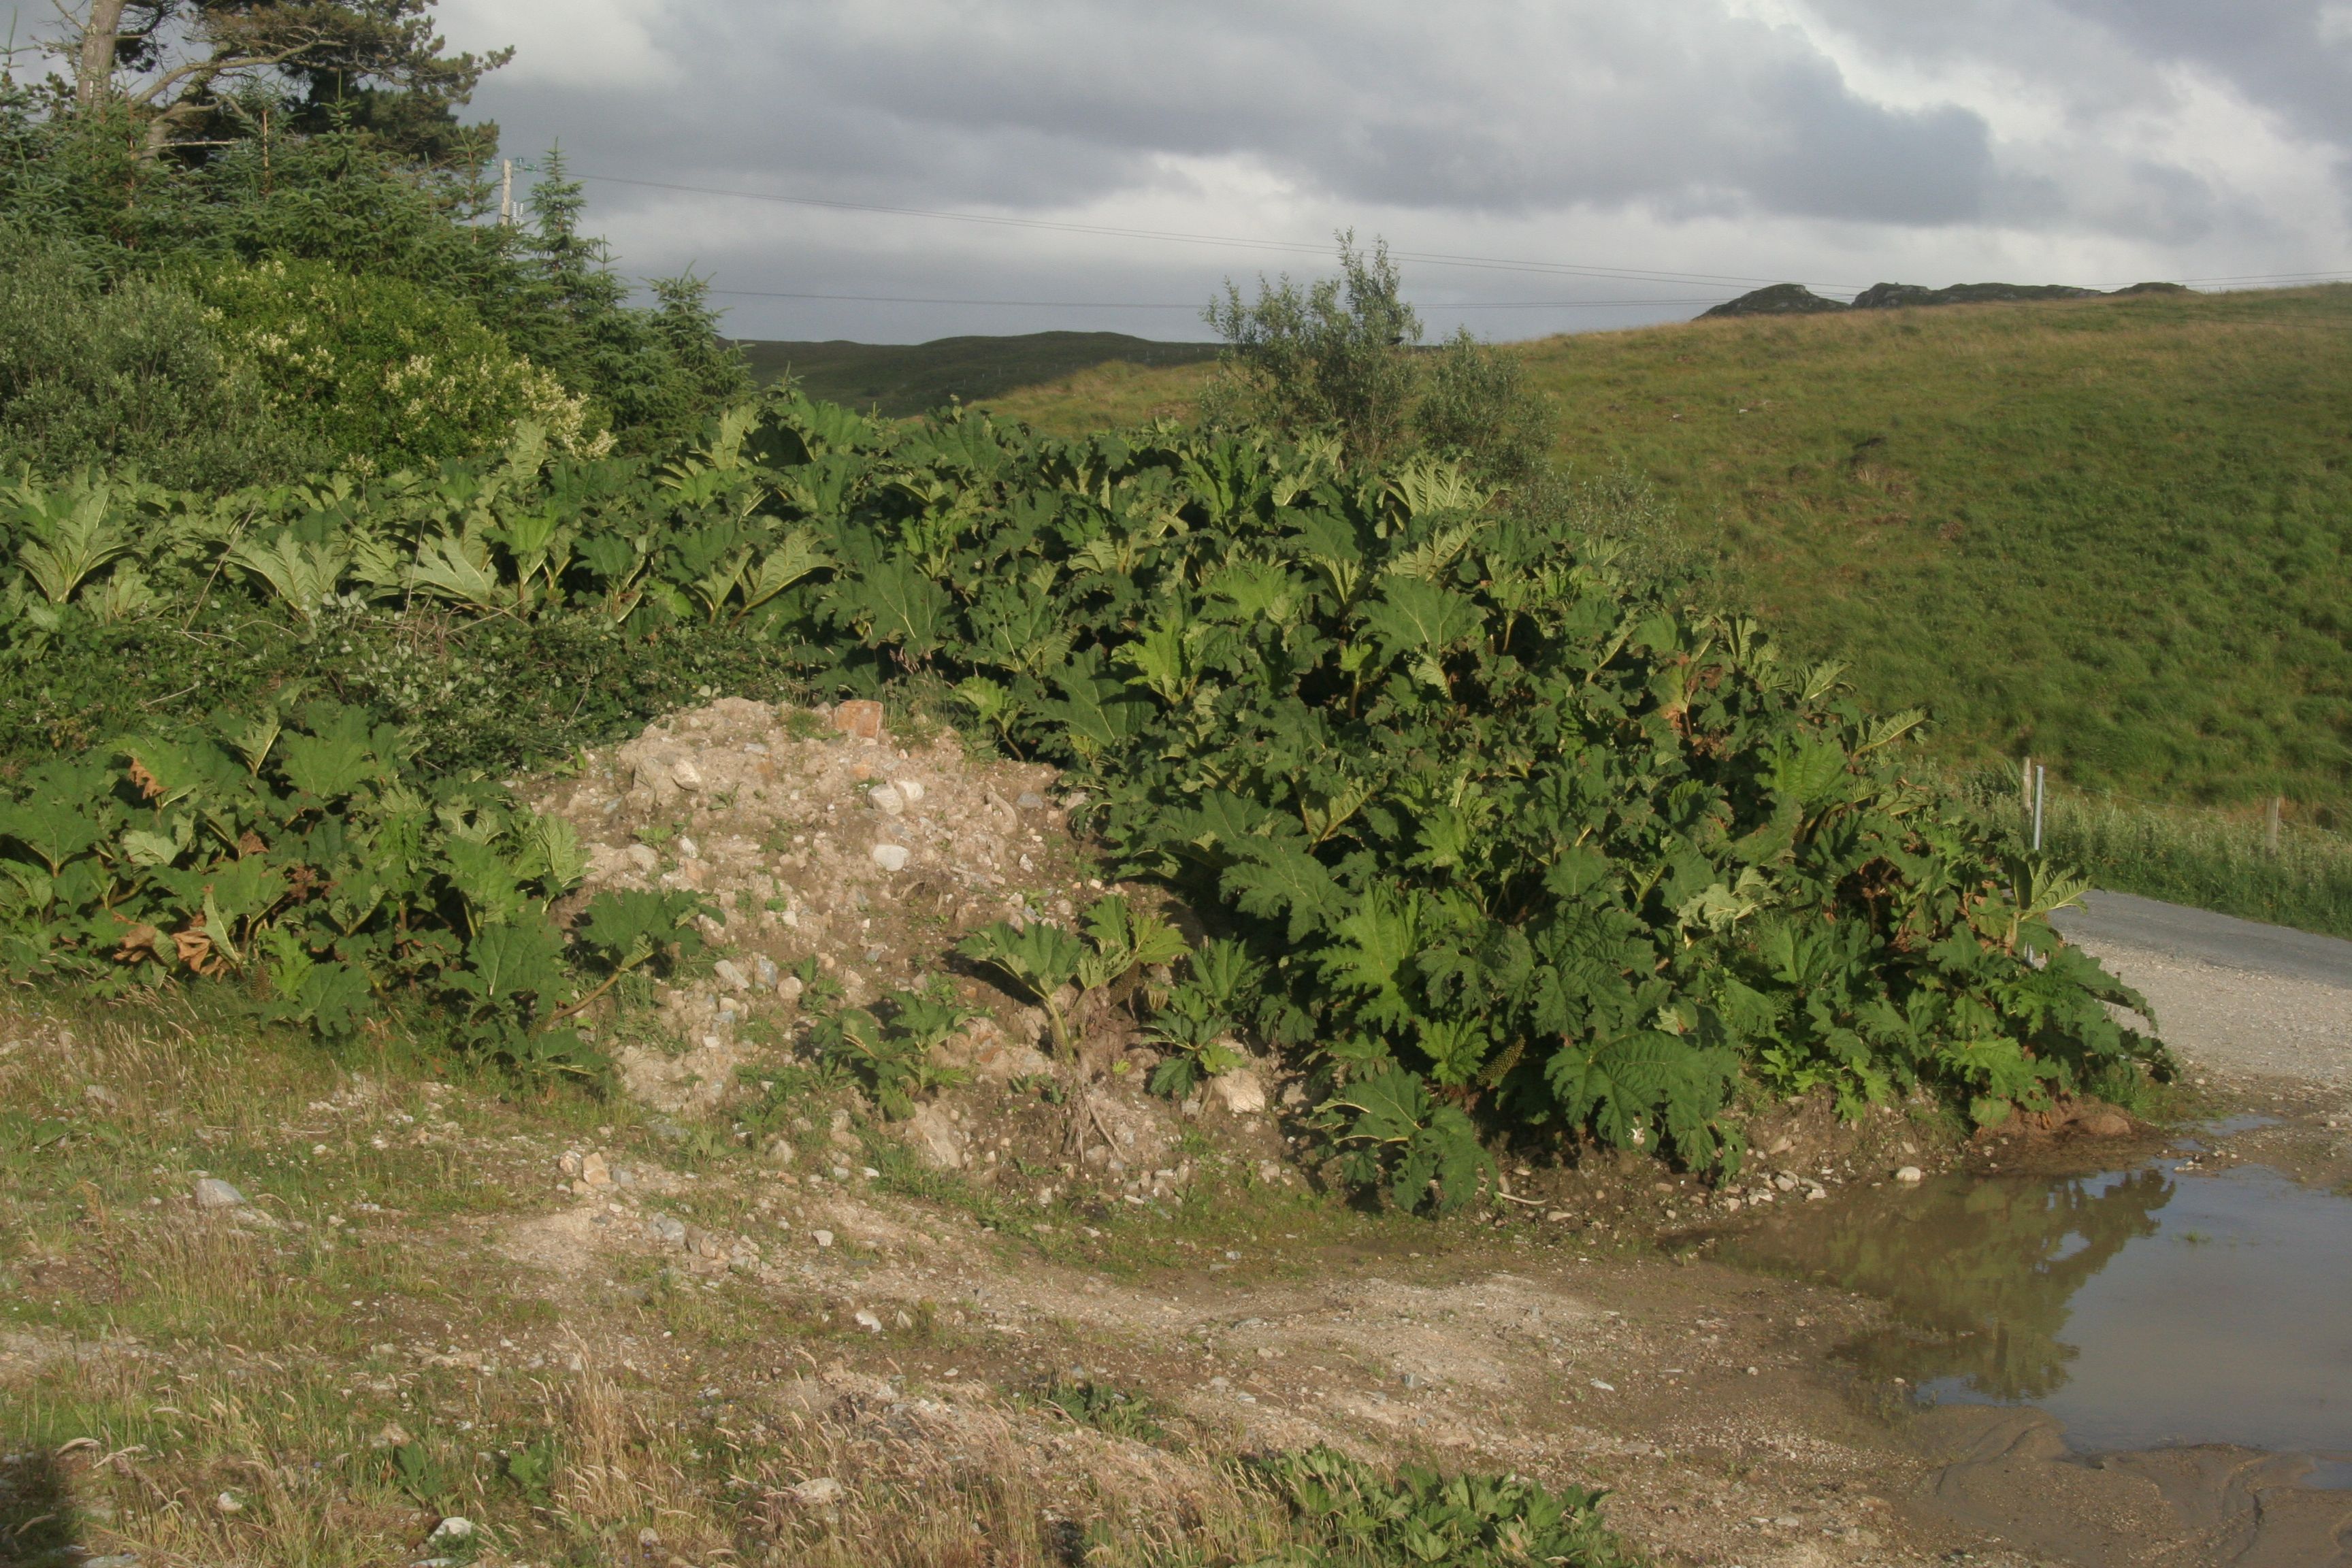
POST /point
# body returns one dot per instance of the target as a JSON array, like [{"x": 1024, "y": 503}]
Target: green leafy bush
[
  {"x": 385, "y": 373},
  {"x": 301, "y": 855},
  {"x": 891, "y": 1055},
  {"x": 1107, "y": 1409},
  {"x": 1492, "y": 834},
  {"x": 1047, "y": 962},
  {"x": 1354, "y": 1516},
  {"x": 134, "y": 373}
]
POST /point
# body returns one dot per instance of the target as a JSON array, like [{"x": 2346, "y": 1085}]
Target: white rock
[
  {"x": 910, "y": 790},
  {"x": 686, "y": 776},
  {"x": 643, "y": 858},
  {"x": 819, "y": 1491},
  {"x": 1241, "y": 1091},
  {"x": 887, "y": 800},
  {"x": 789, "y": 988},
  {"x": 764, "y": 971},
  {"x": 1909, "y": 1174},
  {"x": 211, "y": 1193},
  {"x": 688, "y": 849},
  {"x": 451, "y": 1530},
  {"x": 595, "y": 1171},
  {"x": 824, "y": 1237},
  {"x": 730, "y": 973},
  {"x": 938, "y": 1141},
  {"x": 890, "y": 856},
  {"x": 868, "y": 1321},
  {"x": 227, "y": 1502}
]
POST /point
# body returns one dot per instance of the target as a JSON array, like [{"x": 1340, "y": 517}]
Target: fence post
[
  {"x": 2041, "y": 781},
  {"x": 2025, "y": 789},
  {"x": 2271, "y": 826}
]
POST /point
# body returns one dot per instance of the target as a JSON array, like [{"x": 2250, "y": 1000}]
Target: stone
[
  {"x": 1239, "y": 1091},
  {"x": 730, "y": 973},
  {"x": 909, "y": 790},
  {"x": 595, "y": 1171},
  {"x": 819, "y": 1491},
  {"x": 938, "y": 1143},
  {"x": 868, "y": 1321},
  {"x": 668, "y": 1229},
  {"x": 2105, "y": 1123},
  {"x": 764, "y": 972},
  {"x": 228, "y": 1503},
  {"x": 887, "y": 800},
  {"x": 789, "y": 988},
  {"x": 211, "y": 1193},
  {"x": 822, "y": 1237},
  {"x": 643, "y": 858},
  {"x": 686, "y": 776},
  {"x": 890, "y": 856},
  {"x": 1909, "y": 1174},
  {"x": 860, "y": 719},
  {"x": 1030, "y": 800},
  {"x": 999, "y": 1060},
  {"x": 453, "y": 1530}
]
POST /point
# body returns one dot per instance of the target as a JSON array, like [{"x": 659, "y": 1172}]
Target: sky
[{"x": 1537, "y": 165}]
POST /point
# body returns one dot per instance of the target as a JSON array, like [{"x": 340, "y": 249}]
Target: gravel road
[{"x": 2230, "y": 995}]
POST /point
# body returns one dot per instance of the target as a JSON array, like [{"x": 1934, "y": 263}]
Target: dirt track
[{"x": 2231, "y": 995}]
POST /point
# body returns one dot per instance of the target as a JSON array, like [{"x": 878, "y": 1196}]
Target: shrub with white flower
[{"x": 388, "y": 371}]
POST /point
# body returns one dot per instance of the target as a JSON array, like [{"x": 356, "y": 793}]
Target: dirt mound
[{"x": 829, "y": 847}]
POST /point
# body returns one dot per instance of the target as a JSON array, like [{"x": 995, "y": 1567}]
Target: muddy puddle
[
  {"x": 2182, "y": 1326},
  {"x": 2144, "y": 1307}
]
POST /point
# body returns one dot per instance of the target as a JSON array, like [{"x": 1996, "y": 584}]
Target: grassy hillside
[
  {"x": 2116, "y": 534},
  {"x": 903, "y": 379}
]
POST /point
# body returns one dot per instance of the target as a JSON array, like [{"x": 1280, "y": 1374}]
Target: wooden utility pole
[{"x": 506, "y": 192}]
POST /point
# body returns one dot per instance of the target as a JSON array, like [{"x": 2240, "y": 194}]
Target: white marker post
[{"x": 2040, "y": 780}]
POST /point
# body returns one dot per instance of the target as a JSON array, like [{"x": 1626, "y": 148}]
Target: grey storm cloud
[
  {"x": 2097, "y": 141},
  {"x": 1503, "y": 109}
]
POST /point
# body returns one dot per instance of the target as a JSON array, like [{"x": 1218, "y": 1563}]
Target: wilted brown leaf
[{"x": 141, "y": 940}]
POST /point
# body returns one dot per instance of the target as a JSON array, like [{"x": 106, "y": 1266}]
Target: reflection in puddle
[{"x": 2140, "y": 1308}]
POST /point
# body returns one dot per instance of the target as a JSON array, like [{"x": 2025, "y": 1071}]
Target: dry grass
[{"x": 205, "y": 1389}]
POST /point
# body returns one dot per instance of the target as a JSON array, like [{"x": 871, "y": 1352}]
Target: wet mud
[{"x": 2109, "y": 1362}]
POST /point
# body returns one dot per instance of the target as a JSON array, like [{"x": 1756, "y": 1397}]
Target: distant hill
[
  {"x": 2115, "y": 533},
  {"x": 1796, "y": 299},
  {"x": 903, "y": 379}
]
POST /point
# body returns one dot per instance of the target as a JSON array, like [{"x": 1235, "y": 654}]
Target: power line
[
  {"x": 1435, "y": 258},
  {"x": 1441, "y": 258},
  {"x": 1168, "y": 305},
  {"x": 2271, "y": 278}
]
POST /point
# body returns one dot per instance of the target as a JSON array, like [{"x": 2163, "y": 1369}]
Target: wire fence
[{"x": 2260, "y": 863}]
